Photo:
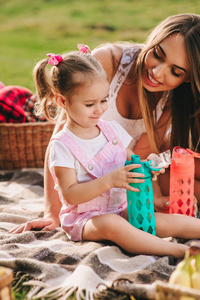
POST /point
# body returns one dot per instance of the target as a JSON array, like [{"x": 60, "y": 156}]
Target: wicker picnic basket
[
  {"x": 166, "y": 291},
  {"x": 158, "y": 290},
  {"x": 23, "y": 145},
  {"x": 5, "y": 284}
]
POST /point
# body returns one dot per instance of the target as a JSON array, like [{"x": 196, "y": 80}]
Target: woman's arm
[{"x": 52, "y": 201}]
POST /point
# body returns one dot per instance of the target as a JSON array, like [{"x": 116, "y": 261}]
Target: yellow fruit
[
  {"x": 2, "y": 271},
  {"x": 182, "y": 276},
  {"x": 195, "y": 277}
]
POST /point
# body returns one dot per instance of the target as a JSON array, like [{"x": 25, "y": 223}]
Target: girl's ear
[{"x": 60, "y": 100}]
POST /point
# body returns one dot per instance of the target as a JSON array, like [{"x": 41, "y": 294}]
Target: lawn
[{"x": 30, "y": 29}]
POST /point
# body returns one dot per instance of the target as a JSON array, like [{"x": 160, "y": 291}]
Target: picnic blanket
[{"x": 59, "y": 267}]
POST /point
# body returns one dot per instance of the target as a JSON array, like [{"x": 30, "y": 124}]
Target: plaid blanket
[{"x": 60, "y": 267}]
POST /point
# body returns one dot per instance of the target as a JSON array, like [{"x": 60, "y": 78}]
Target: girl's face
[
  {"x": 166, "y": 66},
  {"x": 88, "y": 104}
]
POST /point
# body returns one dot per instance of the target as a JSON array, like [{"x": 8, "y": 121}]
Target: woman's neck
[{"x": 127, "y": 101}]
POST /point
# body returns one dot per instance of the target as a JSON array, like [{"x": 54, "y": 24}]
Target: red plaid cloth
[
  {"x": 17, "y": 105},
  {"x": 12, "y": 99},
  {"x": 30, "y": 111}
]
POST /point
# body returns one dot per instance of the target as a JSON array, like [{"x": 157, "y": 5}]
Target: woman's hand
[
  {"x": 46, "y": 223},
  {"x": 161, "y": 160},
  {"x": 157, "y": 173},
  {"x": 161, "y": 204},
  {"x": 195, "y": 206}
]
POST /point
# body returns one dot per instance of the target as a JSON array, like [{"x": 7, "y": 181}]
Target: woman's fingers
[
  {"x": 161, "y": 204},
  {"x": 35, "y": 224}
]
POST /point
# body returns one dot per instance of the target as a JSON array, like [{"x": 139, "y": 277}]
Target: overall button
[
  {"x": 115, "y": 142},
  {"x": 90, "y": 167}
]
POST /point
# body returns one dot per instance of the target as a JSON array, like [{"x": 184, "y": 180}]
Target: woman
[{"x": 154, "y": 95}]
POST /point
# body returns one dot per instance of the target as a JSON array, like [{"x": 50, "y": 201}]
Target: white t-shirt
[{"x": 61, "y": 156}]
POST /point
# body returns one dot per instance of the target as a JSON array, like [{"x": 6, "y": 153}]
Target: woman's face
[{"x": 166, "y": 66}]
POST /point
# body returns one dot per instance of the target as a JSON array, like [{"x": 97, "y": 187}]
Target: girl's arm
[{"x": 76, "y": 193}]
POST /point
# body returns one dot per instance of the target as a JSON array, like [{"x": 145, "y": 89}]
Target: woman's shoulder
[{"x": 109, "y": 56}]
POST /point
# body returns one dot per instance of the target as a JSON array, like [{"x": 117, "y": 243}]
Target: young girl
[{"x": 87, "y": 161}]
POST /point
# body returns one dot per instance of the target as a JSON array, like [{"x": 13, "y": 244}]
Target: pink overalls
[{"x": 112, "y": 156}]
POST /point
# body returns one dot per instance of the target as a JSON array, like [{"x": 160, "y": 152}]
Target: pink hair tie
[
  {"x": 83, "y": 48},
  {"x": 54, "y": 59}
]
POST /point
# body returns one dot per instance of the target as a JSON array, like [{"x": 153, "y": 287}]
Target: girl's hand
[{"x": 121, "y": 177}]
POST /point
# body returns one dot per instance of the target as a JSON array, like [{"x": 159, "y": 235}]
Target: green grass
[{"x": 30, "y": 29}]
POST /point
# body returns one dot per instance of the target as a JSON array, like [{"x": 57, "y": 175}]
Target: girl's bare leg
[
  {"x": 118, "y": 230},
  {"x": 179, "y": 226}
]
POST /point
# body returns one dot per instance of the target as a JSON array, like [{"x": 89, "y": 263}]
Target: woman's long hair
[{"x": 185, "y": 99}]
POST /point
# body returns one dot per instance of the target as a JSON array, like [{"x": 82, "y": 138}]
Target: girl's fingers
[
  {"x": 134, "y": 174},
  {"x": 132, "y": 166},
  {"x": 132, "y": 189},
  {"x": 136, "y": 180}
]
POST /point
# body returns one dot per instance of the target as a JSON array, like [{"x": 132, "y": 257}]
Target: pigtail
[{"x": 45, "y": 95}]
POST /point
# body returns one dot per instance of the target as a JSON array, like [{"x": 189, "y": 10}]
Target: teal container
[{"x": 140, "y": 204}]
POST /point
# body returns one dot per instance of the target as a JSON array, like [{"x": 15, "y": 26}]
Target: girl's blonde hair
[
  {"x": 185, "y": 99},
  {"x": 61, "y": 79}
]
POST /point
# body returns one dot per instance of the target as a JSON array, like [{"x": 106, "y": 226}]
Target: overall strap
[
  {"x": 73, "y": 146},
  {"x": 107, "y": 130},
  {"x": 77, "y": 151}
]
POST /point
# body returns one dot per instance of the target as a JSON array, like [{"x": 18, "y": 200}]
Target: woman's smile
[{"x": 151, "y": 80}]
